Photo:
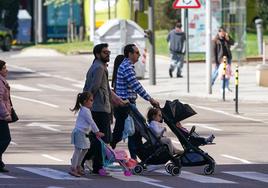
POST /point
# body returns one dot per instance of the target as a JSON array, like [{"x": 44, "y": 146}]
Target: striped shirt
[{"x": 127, "y": 85}]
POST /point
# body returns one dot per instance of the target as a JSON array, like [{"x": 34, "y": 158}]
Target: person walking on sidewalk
[
  {"x": 221, "y": 47},
  {"x": 5, "y": 113},
  {"x": 83, "y": 126},
  {"x": 176, "y": 39},
  {"x": 97, "y": 83},
  {"x": 127, "y": 88}
]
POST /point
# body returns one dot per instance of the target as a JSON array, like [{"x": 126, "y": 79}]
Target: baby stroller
[
  {"x": 173, "y": 112},
  {"x": 152, "y": 151},
  {"x": 110, "y": 156}
]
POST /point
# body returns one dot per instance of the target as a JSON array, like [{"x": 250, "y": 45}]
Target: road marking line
[
  {"x": 45, "y": 74},
  {"x": 55, "y": 87},
  {"x": 150, "y": 181},
  {"x": 250, "y": 175},
  {"x": 22, "y": 68},
  {"x": 23, "y": 87},
  {"x": 45, "y": 126},
  {"x": 202, "y": 179},
  {"x": 13, "y": 143},
  {"x": 6, "y": 176},
  {"x": 35, "y": 101},
  {"x": 51, "y": 173},
  {"x": 50, "y": 157},
  {"x": 236, "y": 158},
  {"x": 198, "y": 178},
  {"x": 81, "y": 85},
  {"x": 207, "y": 126},
  {"x": 228, "y": 114}
]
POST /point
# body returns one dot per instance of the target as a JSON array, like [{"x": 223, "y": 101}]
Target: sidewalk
[{"x": 172, "y": 88}]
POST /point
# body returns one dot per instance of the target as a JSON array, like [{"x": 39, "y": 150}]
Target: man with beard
[{"x": 98, "y": 84}]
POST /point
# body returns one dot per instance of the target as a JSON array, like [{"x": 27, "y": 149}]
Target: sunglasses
[
  {"x": 106, "y": 52},
  {"x": 137, "y": 52}
]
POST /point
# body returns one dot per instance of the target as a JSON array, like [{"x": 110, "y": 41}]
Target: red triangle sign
[{"x": 186, "y": 4}]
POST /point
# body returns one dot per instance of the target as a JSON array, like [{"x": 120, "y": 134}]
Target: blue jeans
[
  {"x": 215, "y": 73},
  {"x": 177, "y": 61}
]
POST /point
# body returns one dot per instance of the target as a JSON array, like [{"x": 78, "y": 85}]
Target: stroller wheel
[
  {"x": 175, "y": 171},
  {"x": 208, "y": 170},
  {"x": 168, "y": 167},
  {"x": 138, "y": 169}
]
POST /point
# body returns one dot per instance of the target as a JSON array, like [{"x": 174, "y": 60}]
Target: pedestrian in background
[
  {"x": 97, "y": 83},
  {"x": 83, "y": 126},
  {"x": 127, "y": 88},
  {"x": 221, "y": 47},
  {"x": 5, "y": 113},
  {"x": 176, "y": 39}
]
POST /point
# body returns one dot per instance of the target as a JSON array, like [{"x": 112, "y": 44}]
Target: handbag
[{"x": 14, "y": 116}]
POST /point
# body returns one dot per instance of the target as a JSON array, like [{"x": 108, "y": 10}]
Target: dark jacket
[
  {"x": 98, "y": 84},
  {"x": 176, "y": 40},
  {"x": 218, "y": 49}
]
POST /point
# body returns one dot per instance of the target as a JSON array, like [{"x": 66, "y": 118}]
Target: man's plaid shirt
[{"x": 127, "y": 85}]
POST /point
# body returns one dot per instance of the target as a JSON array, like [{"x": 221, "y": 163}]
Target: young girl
[
  {"x": 154, "y": 118},
  {"x": 83, "y": 126},
  {"x": 228, "y": 75}
]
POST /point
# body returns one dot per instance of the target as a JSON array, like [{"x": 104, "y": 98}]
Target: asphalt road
[{"x": 44, "y": 88}]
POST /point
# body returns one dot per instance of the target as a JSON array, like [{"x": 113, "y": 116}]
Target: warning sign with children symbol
[{"x": 186, "y": 4}]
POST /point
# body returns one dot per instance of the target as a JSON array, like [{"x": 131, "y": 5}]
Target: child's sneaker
[
  {"x": 210, "y": 138},
  {"x": 102, "y": 172},
  {"x": 88, "y": 166}
]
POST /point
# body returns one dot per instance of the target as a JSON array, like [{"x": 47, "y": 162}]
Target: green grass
[
  {"x": 162, "y": 45},
  {"x": 65, "y": 47}
]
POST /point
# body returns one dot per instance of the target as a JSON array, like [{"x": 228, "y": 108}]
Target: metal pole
[
  {"x": 187, "y": 48},
  {"x": 151, "y": 43},
  {"x": 38, "y": 37},
  {"x": 109, "y": 10},
  {"x": 92, "y": 20},
  {"x": 208, "y": 46}
]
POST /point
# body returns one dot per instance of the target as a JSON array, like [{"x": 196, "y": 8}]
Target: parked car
[{"x": 5, "y": 38}]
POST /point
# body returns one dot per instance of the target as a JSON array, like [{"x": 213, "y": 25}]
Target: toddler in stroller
[
  {"x": 154, "y": 118},
  {"x": 193, "y": 137}
]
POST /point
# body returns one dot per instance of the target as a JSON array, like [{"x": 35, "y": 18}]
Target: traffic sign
[{"x": 186, "y": 4}]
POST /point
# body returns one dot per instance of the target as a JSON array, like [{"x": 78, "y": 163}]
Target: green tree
[
  {"x": 166, "y": 15},
  {"x": 8, "y": 14},
  {"x": 263, "y": 11}
]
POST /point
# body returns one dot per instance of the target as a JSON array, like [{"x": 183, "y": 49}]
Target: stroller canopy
[{"x": 177, "y": 111}]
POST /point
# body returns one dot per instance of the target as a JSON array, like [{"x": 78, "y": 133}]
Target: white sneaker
[{"x": 88, "y": 165}]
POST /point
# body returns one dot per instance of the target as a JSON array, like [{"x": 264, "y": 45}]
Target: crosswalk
[
  {"x": 148, "y": 178},
  {"x": 44, "y": 87}
]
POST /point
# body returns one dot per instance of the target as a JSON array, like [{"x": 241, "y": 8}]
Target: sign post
[{"x": 185, "y": 4}]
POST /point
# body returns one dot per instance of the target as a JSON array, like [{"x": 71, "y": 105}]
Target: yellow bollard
[
  {"x": 224, "y": 75},
  {"x": 236, "y": 88}
]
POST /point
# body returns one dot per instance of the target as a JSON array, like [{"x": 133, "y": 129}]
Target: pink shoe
[{"x": 102, "y": 172}]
